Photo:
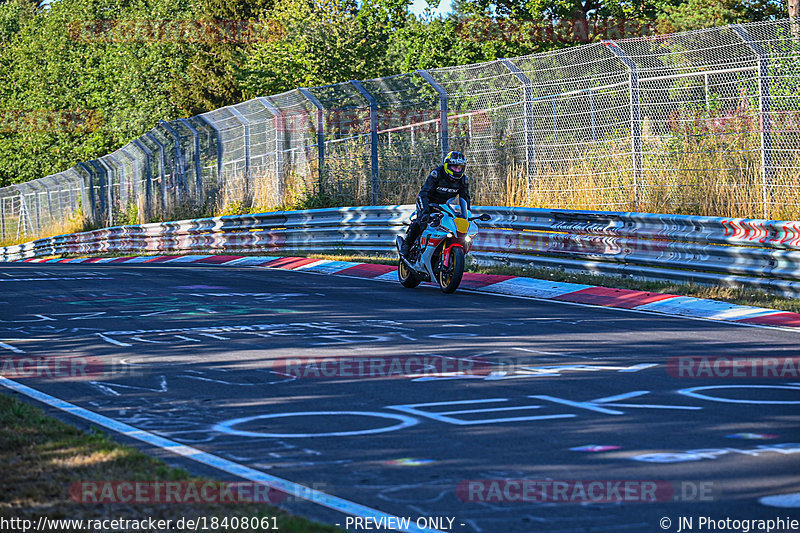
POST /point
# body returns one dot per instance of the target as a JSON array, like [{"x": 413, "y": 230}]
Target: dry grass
[{"x": 72, "y": 223}]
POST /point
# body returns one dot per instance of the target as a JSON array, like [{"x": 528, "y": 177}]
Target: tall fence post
[
  {"x": 636, "y": 117},
  {"x": 162, "y": 174},
  {"x": 218, "y": 133},
  {"x": 134, "y": 180},
  {"x": 763, "y": 113},
  {"x": 444, "y": 126},
  {"x": 76, "y": 194},
  {"x": 178, "y": 155},
  {"x": 24, "y": 215},
  {"x": 105, "y": 190},
  {"x": 246, "y": 125},
  {"x": 37, "y": 196},
  {"x": 280, "y": 144},
  {"x": 373, "y": 130},
  {"x": 92, "y": 207},
  {"x": 148, "y": 177},
  {"x": 527, "y": 114},
  {"x": 320, "y": 134},
  {"x": 116, "y": 174},
  {"x": 3, "y": 217},
  {"x": 109, "y": 175},
  {"x": 198, "y": 168},
  {"x": 49, "y": 205}
]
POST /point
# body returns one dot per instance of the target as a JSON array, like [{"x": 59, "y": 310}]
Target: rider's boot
[{"x": 410, "y": 239}]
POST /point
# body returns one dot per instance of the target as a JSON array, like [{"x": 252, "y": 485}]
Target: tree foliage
[{"x": 66, "y": 60}]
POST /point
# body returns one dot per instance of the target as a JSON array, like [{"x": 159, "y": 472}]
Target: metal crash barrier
[{"x": 751, "y": 253}]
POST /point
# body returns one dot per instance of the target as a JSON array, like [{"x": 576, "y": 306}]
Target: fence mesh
[{"x": 704, "y": 122}]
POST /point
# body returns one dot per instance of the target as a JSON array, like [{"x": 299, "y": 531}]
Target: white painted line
[
  {"x": 618, "y": 397},
  {"x": 786, "y": 501},
  {"x": 113, "y": 341},
  {"x": 692, "y": 393},
  {"x": 245, "y": 472},
  {"x": 227, "y": 426},
  {"x": 389, "y": 276},
  {"x": 215, "y": 337},
  {"x": 245, "y": 261},
  {"x": 139, "y": 339},
  {"x": 699, "y": 307},
  {"x": 540, "y": 351},
  {"x": 318, "y": 262},
  {"x": 641, "y": 366},
  {"x": 104, "y": 389},
  {"x": 187, "y": 338},
  {"x": 442, "y": 416},
  {"x": 186, "y": 259},
  {"x": 12, "y": 348},
  {"x": 222, "y": 382},
  {"x": 534, "y": 287},
  {"x": 139, "y": 259},
  {"x": 324, "y": 266}
]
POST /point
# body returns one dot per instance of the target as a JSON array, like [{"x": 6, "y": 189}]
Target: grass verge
[{"x": 42, "y": 458}]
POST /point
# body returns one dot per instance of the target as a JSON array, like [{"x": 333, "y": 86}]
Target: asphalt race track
[{"x": 549, "y": 391}]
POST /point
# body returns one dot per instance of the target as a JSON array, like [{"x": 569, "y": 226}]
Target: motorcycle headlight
[
  {"x": 467, "y": 239},
  {"x": 450, "y": 235}
]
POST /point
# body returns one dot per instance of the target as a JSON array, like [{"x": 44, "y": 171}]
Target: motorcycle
[{"x": 440, "y": 251}]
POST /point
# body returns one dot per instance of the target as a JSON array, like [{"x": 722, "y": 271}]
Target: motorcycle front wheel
[{"x": 450, "y": 276}]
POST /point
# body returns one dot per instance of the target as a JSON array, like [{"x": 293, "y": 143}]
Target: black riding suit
[{"x": 439, "y": 188}]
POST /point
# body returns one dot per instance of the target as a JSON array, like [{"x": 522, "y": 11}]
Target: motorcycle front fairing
[
  {"x": 438, "y": 239},
  {"x": 430, "y": 243}
]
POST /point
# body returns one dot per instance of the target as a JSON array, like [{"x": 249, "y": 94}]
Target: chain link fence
[{"x": 704, "y": 122}]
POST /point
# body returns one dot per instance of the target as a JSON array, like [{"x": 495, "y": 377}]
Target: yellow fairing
[{"x": 462, "y": 225}]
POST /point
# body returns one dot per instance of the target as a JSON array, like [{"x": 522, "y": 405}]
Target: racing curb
[{"x": 668, "y": 304}]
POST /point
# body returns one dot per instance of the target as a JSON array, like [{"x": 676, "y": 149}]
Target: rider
[{"x": 444, "y": 183}]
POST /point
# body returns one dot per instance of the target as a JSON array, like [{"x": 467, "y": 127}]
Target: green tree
[
  {"x": 698, "y": 14},
  {"x": 14, "y": 14},
  {"x": 318, "y": 42},
  {"x": 213, "y": 78},
  {"x": 76, "y": 91}
]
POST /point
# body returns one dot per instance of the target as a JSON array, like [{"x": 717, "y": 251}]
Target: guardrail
[{"x": 762, "y": 254}]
